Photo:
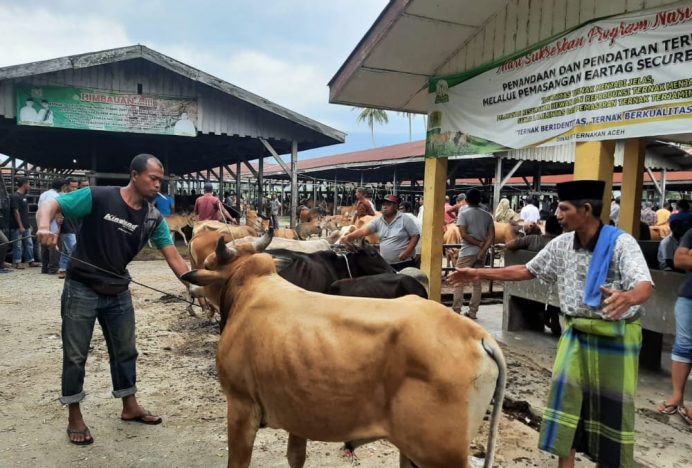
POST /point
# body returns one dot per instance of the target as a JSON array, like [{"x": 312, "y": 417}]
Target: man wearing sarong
[{"x": 602, "y": 279}]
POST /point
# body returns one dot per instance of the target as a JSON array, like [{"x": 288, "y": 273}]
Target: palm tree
[
  {"x": 410, "y": 117},
  {"x": 372, "y": 116}
]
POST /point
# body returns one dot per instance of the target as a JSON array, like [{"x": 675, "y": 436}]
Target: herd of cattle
[{"x": 328, "y": 342}]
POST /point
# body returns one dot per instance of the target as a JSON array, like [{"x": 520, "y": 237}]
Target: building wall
[
  {"x": 522, "y": 23},
  {"x": 219, "y": 113}
]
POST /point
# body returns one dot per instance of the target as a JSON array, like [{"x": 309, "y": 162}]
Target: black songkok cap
[{"x": 581, "y": 190}]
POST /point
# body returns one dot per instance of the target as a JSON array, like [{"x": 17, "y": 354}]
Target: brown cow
[
  {"x": 176, "y": 223},
  {"x": 451, "y": 236},
  {"x": 285, "y": 233},
  {"x": 506, "y": 232},
  {"x": 659, "y": 232},
  {"x": 234, "y": 230},
  {"x": 337, "y": 368},
  {"x": 305, "y": 230},
  {"x": 364, "y": 220}
]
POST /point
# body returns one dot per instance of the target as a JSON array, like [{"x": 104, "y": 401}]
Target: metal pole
[
  {"x": 260, "y": 186},
  {"x": 664, "y": 177},
  {"x": 394, "y": 183},
  {"x": 221, "y": 193},
  {"x": 294, "y": 182},
  {"x": 237, "y": 186},
  {"x": 336, "y": 191},
  {"x": 498, "y": 182}
]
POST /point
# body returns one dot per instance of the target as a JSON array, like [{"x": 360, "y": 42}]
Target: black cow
[
  {"x": 317, "y": 271},
  {"x": 384, "y": 286}
]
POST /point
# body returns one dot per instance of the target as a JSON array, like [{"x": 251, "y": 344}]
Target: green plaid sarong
[{"x": 591, "y": 401}]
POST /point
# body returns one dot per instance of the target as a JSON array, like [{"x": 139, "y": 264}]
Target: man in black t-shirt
[
  {"x": 20, "y": 227},
  {"x": 116, "y": 223}
]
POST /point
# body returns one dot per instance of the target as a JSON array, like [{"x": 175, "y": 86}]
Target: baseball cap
[{"x": 392, "y": 199}]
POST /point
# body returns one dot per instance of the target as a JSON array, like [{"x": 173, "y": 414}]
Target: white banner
[{"x": 623, "y": 77}]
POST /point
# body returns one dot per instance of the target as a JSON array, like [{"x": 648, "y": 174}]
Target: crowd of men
[{"x": 23, "y": 252}]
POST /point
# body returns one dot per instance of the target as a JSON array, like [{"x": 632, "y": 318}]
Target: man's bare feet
[{"x": 77, "y": 430}]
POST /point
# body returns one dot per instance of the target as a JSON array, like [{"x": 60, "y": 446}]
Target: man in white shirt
[{"x": 530, "y": 213}]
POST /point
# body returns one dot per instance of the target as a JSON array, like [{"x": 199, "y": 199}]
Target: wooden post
[
  {"x": 434, "y": 187},
  {"x": 294, "y": 182},
  {"x": 594, "y": 161},
  {"x": 632, "y": 180}
]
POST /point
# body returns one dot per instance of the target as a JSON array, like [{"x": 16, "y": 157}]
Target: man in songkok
[{"x": 602, "y": 279}]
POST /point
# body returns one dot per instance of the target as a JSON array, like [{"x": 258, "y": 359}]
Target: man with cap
[
  {"x": 398, "y": 234},
  {"x": 602, "y": 279},
  {"x": 208, "y": 206}
]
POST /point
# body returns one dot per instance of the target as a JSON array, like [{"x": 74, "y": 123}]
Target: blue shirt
[{"x": 164, "y": 204}]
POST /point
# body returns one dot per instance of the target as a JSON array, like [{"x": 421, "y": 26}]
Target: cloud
[
  {"x": 301, "y": 87},
  {"x": 32, "y": 34}
]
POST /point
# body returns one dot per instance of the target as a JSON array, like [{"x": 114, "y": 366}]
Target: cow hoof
[{"x": 191, "y": 311}]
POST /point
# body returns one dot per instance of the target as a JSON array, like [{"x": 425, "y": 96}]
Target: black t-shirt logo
[{"x": 124, "y": 225}]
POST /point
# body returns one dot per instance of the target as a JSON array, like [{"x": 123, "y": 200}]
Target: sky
[{"x": 283, "y": 50}]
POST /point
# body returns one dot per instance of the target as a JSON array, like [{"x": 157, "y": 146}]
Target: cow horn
[
  {"x": 224, "y": 254},
  {"x": 263, "y": 242}
]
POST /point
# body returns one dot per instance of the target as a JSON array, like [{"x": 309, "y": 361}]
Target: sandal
[
  {"x": 142, "y": 419},
  {"x": 665, "y": 408},
  {"x": 85, "y": 433},
  {"x": 682, "y": 411}
]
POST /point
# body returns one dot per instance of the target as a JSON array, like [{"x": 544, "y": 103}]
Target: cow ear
[{"x": 202, "y": 277}]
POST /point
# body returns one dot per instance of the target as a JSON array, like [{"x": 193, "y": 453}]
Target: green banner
[{"x": 93, "y": 109}]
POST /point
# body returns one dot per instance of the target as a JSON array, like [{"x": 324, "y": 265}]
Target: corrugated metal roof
[{"x": 122, "y": 54}]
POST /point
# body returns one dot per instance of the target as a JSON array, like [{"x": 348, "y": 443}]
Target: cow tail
[{"x": 495, "y": 353}]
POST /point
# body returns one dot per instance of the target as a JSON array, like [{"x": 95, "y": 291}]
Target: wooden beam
[
  {"x": 230, "y": 171},
  {"x": 594, "y": 160},
  {"x": 252, "y": 169},
  {"x": 273, "y": 152}
]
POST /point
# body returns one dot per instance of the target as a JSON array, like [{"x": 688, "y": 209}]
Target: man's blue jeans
[
  {"x": 68, "y": 241},
  {"x": 26, "y": 254},
  {"x": 80, "y": 307}
]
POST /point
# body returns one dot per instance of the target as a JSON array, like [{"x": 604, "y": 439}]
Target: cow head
[
  {"x": 366, "y": 260},
  {"x": 229, "y": 262}
]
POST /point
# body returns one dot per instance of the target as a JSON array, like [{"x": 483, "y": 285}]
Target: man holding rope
[
  {"x": 602, "y": 280},
  {"x": 116, "y": 223}
]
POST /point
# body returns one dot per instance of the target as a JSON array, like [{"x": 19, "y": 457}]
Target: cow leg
[
  {"x": 183, "y": 235},
  {"x": 296, "y": 451},
  {"x": 243, "y": 423}
]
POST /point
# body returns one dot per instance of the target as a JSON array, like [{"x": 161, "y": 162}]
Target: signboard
[
  {"x": 91, "y": 109},
  {"x": 623, "y": 77}
]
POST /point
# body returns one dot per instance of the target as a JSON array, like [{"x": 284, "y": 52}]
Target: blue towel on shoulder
[{"x": 600, "y": 262}]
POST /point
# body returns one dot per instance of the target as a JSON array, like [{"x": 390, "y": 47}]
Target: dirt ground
[{"x": 177, "y": 379}]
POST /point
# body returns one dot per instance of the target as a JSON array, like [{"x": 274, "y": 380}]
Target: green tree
[
  {"x": 410, "y": 117},
  {"x": 371, "y": 117}
]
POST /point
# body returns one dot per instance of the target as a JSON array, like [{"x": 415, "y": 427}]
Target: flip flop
[
  {"x": 664, "y": 408},
  {"x": 88, "y": 441},
  {"x": 140, "y": 419},
  {"x": 682, "y": 411}
]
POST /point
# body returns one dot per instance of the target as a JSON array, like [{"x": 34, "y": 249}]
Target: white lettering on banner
[
  {"x": 125, "y": 224},
  {"x": 628, "y": 76}
]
